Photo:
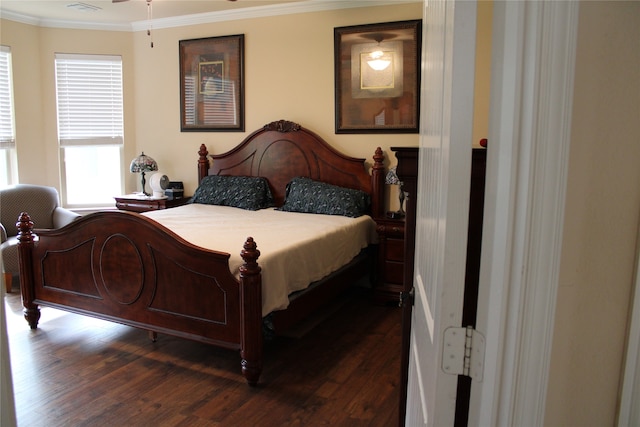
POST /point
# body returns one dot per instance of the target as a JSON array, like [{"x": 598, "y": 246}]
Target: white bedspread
[{"x": 295, "y": 248}]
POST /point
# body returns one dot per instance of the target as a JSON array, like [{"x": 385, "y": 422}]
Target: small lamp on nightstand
[
  {"x": 143, "y": 164},
  {"x": 392, "y": 179}
]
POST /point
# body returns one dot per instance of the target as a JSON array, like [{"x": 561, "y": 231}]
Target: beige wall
[
  {"x": 28, "y": 110},
  {"x": 484, "y": 24},
  {"x": 601, "y": 224},
  {"x": 32, "y": 51},
  {"x": 288, "y": 75}
]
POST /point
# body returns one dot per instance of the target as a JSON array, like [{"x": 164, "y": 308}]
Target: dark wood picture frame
[
  {"x": 212, "y": 84},
  {"x": 382, "y": 100}
]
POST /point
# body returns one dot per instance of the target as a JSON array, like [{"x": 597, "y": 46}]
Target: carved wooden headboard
[{"x": 283, "y": 150}]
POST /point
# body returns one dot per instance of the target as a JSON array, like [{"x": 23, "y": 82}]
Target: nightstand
[
  {"x": 390, "y": 270},
  {"x": 135, "y": 203}
]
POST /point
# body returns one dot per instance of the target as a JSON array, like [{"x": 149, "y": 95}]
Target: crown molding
[
  {"x": 306, "y": 6},
  {"x": 57, "y": 23}
]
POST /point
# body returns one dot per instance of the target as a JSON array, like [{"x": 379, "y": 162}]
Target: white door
[
  {"x": 533, "y": 53},
  {"x": 442, "y": 205}
]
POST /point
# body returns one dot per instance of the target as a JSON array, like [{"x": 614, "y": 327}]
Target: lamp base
[
  {"x": 143, "y": 183},
  {"x": 395, "y": 214}
]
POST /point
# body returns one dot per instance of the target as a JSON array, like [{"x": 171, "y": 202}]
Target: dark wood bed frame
[{"x": 124, "y": 267}]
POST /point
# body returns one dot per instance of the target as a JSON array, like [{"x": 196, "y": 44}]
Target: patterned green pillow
[
  {"x": 309, "y": 196},
  {"x": 245, "y": 192}
]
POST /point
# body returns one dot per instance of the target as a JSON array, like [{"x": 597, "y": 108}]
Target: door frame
[{"x": 532, "y": 80}]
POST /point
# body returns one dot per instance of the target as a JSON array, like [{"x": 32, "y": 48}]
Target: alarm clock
[{"x": 158, "y": 183}]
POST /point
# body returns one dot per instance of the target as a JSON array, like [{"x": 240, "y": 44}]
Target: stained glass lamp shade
[{"x": 143, "y": 164}]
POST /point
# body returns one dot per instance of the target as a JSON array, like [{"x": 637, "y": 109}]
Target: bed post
[
  {"x": 251, "y": 313},
  {"x": 377, "y": 184},
  {"x": 26, "y": 241},
  {"x": 203, "y": 163}
]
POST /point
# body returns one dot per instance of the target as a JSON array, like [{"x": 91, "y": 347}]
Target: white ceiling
[{"x": 133, "y": 14}]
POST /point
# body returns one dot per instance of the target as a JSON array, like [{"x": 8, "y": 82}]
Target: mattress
[{"x": 296, "y": 249}]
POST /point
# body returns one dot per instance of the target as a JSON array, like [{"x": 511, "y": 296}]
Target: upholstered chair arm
[
  {"x": 62, "y": 217},
  {"x": 3, "y": 234}
]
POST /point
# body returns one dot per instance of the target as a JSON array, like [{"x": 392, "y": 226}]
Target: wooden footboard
[{"x": 126, "y": 268}]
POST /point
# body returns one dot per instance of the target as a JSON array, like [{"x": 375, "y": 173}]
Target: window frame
[
  {"x": 76, "y": 129},
  {"x": 8, "y": 156}
]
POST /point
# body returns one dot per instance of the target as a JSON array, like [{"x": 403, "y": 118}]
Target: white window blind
[
  {"x": 90, "y": 128},
  {"x": 7, "y": 127},
  {"x": 89, "y": 90}
]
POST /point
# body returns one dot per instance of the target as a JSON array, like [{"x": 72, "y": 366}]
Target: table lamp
[
  {"x": 392, "y": 179},
  {"x": 143, "y": 164}
]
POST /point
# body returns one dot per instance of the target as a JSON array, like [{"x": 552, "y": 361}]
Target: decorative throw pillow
[
  {"x": 309, "y": 196},
  {"x": 245, "y": 192}
]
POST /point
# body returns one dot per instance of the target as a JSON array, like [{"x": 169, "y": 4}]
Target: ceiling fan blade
[{"x": 118, "y": 1}]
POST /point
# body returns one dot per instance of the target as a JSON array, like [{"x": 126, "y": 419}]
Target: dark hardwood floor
[{"x": 78, "y": 371}]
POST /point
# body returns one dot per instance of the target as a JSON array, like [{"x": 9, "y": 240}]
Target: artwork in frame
[
  {"x": 212, "y": 84},
  {"x": 377, "y": 77}
]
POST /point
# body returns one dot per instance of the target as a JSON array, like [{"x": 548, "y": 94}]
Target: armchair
[{"x": 43, "y": 206}]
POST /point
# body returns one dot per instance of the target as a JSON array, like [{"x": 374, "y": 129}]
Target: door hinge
[
  {"x": 407, "y": 298},
  {"x": 463, "y": 352}
]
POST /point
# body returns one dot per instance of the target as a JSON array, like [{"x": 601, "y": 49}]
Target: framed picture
[
  {"x": 212, "y": 84},
  {"x": 377, "y": 77}
]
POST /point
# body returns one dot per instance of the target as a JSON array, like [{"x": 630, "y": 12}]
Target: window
[
  {"x": 90, "y": 128},
  {"x": 8, "y": 169}
]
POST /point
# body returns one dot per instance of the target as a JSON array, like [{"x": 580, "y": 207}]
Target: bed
[{"x": 129, "y": 268}]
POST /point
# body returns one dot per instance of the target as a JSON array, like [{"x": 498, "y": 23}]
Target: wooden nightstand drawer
[
  {"x": 391, "y": 257},
  {"x": 147, "y": 204},
  {"x": 393, "y": 272},
  {"x": 395, "y": 250}
]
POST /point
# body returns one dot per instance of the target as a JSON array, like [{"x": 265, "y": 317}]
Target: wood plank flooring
[{"x": 78, "y": 371}]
